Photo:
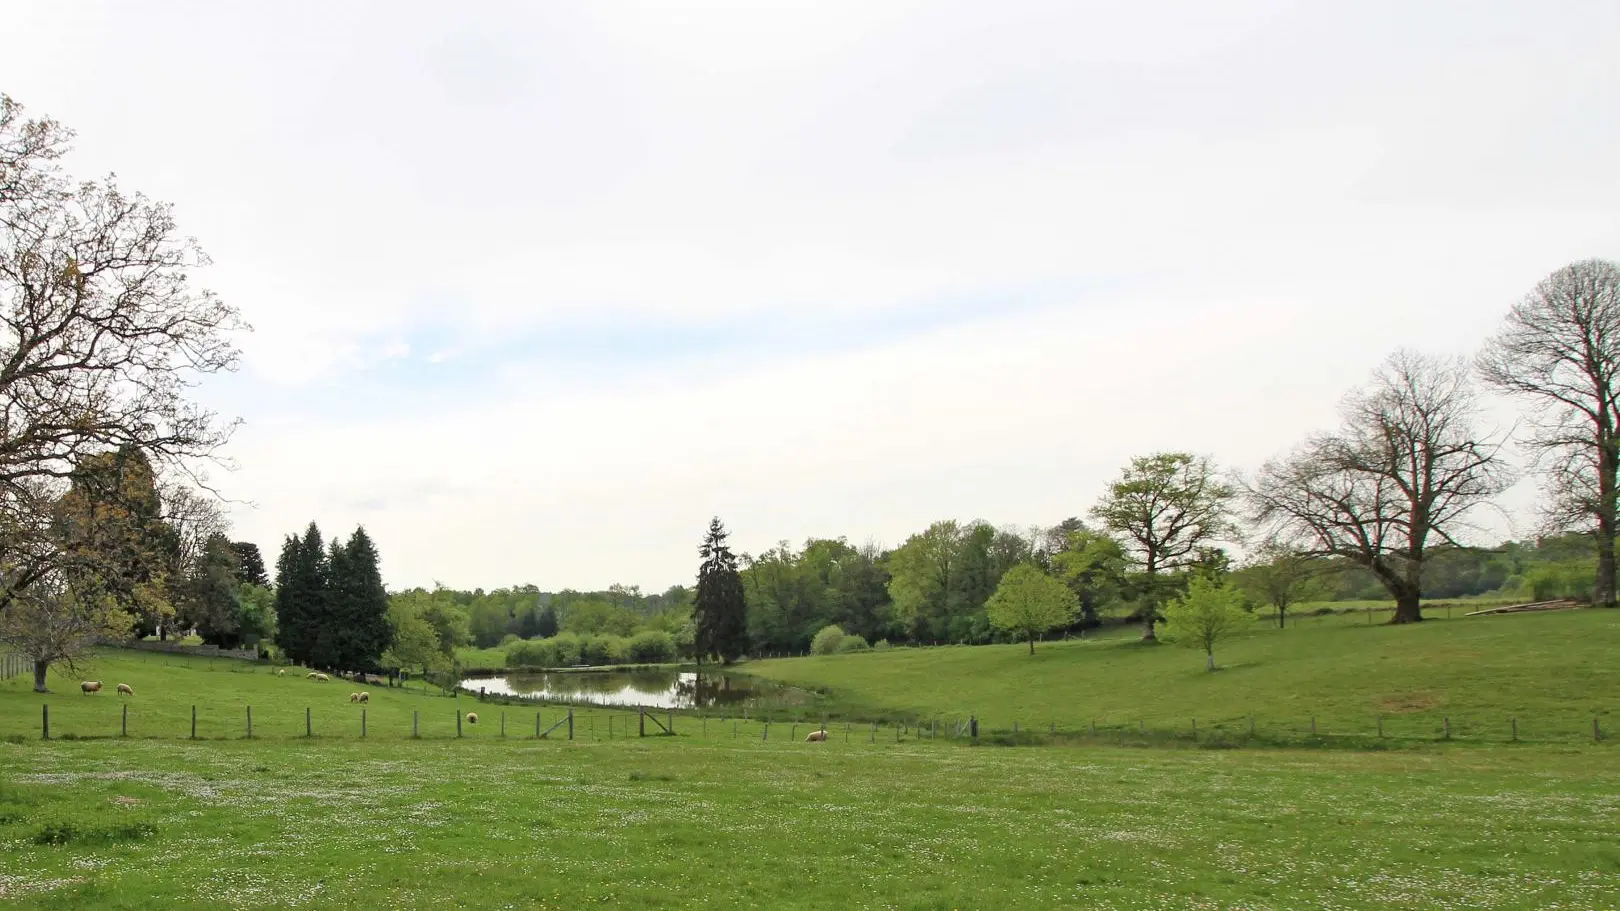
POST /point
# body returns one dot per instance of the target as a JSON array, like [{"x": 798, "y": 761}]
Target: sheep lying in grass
[
  {"x": 124, "y": 689},
  {"x": 365, "y": 698},
  {"x": 90, "y": 686},
  {"x": 472, "y": 717},
  {"x": 354, "y": 697},
  {"x": 816, "y": 737}
]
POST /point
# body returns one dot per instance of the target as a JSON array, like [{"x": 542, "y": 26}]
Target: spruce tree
[
  {"x": 301, "y": 599},
  {"x": 250, "y": 564},
  {"x": 720, "y": 608},
  {"x": 359, "y": 603}
]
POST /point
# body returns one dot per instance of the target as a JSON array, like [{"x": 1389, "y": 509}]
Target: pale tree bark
[
  {"x": 1407, "y": 467},
  {"x": 1559, "y": 349}
]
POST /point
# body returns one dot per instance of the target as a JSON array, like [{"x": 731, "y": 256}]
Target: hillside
[{"x": 1554, "y": 672}]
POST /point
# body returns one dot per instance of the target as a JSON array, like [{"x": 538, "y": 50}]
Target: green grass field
[
  {"x": 1553, "y": 672},
  {"x": 677, "y": 823},
  {"x": 740, "y": 814}
]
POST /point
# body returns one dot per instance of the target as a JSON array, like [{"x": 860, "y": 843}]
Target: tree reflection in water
[{"x": 652, "y": 688}]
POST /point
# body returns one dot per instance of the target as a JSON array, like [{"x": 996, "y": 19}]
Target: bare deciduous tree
[
  {"x": 1560, "y": 348},
  {"x": 1406, "y": 467},
  {"x": 101, "y": 337}
]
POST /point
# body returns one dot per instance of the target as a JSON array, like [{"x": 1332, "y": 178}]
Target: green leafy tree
[
  {"x": 209, "y": 598},
  {"x": 258, "y": 614},
  {"x": 1280, "y": 576},
  {"x": 923, "y": 573},
  {"x": 1165, "y": 507},
  {"x": 416, "y": 646},
  {"x": 1028, "y": 602},
  {"x": 1094, "y": 566},
  {"x": 720, "y": 607},
  {"x": 1209, "y": 612}
]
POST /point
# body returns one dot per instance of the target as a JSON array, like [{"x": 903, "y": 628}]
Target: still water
[{"x": 651, "y": 688}]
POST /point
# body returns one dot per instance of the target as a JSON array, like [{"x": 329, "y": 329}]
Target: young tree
[
  {"x": 258, "y": 613},
  {"x": 1211, "y": 610},
  {"x": 1407, "y": 466},
  {"x": 416, "y": 646},
  {"x": 1559, "y": 348},
  {"x": 1165, "y": 507},
  {"x": 49, "y": 622},
  {"x": 1029, "y": 602},
  {"x": 101, "y": 334},
  {"x": 721, "y": 606},
  {"x": 1281, "y": 577}
]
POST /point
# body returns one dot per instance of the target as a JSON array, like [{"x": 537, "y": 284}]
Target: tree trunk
[
  {"x": 1032, "y": 643},
  {"x": 1210, "y": 662},
  {"x": 1282, "y": 613},
  {"x": 1603, "y": 590},
  {"x": 1603, "y": 594},
  {"x": 1147, "y": 629},
  {"x": 40, "y": 669},
  {"x": 1408, "y": 608}
]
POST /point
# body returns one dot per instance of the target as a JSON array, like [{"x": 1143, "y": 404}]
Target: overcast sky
[{"x": 540, "y": 287}]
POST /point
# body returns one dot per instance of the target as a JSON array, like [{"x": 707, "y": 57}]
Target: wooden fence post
[
  {"x": 733, "y": 729},
  {"x": 458, "y": 722},
  {"x": 309, "y": 724},
  {"x": 415, "y": 731},
  {"x": 250, "y": 722},
  {"x": 503, "y": 724},
  {"x": 1313, "y": 725},
  {"x": 1251, "y": 725},
  {"x": 641, "y": 721},
  {"x": 45, "y": 720},
  {"x": 1093, "y": 727},
  {"x": 1195, "y": 730},
  {"x": 973, "y": 725},
  {"x": 1597, "y": 732},
  {"x": 536, "y": 725},
  {"x": 766, "y": 735},
  {"x": 362, "y": 724},
  {"x": 874, "y": 732},
  {"x": 1515, "y": 723},
  {"x": 193, "y": 722},
  {"x": 123, "y": 724},
  {"x": 1380, "y": 727},
  {"x": 571, "y": 722},
  {"x": 1445, "y": 727}
]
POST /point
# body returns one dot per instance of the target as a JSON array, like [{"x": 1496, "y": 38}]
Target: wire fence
[{"x": 471, "y": 718}]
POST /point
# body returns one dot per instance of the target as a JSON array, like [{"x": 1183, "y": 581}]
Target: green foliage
[
  {"x": 250, "y": 564},
  {"x": 258, "y": 613},
  {"x": 208, "y": 599},
  {"x": 852, "y": 643},
  {"x": 1210, "y": 611},
  {"x": 826, "y": 640},
  {"x": 1165, "y": 507},
  {"x": 301, "y": 596},
  {"x": 600, "y": 617},
  {"x": 532, "y": 653},
  {"x": 416, "y": 646},
  {"x": 652, "y": 647},
  {"x": 1093, "y": 565},
  {"x": 1028, "y": 603}
]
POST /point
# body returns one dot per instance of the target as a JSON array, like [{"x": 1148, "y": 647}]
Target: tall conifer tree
[{"x": 720, "y": 608}]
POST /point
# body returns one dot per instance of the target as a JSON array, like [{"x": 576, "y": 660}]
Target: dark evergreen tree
[
  {"x": 208, "y": 596},
  {"x": 358, "y": 627},
  {"x": 545, "y": 622},
  {"x": 250, "y": 564},
  {"x": 301, "y": 599},
  {"x": 721, "y": 606}
]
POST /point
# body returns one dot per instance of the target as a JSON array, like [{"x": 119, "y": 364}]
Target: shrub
[
  {"x": 827, "y": 640},
  {"x": 855, "y": 643},
  {"x": 568, "y": 648},
  {"x": 532, "y": 653},
  {"x": 603, "y": 650},
  {"x": 652, "y": 647},
  {"x": 510, "y": 640},
  {"x": 882, "y": 645}
]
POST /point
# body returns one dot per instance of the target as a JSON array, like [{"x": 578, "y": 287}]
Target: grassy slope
[
  {"x": 676, "y": 823},
  {"x": 1552, "y": 671}
]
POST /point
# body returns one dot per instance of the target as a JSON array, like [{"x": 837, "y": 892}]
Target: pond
[{"x": 665, "y": 689}]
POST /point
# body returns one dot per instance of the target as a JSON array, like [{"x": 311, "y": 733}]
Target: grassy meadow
[
  {"x": 679, "y": 822},
  {"x": 1553, "y": 672}
]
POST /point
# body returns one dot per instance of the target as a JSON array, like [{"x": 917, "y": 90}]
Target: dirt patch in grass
[{"x": 1409, "y": 702}]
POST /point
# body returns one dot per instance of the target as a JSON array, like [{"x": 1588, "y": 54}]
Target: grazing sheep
[
  {"x": 311, "y": 675},
  {"x": 365, "y": 698},
  {"x": 472, "y": 717},
  {"x": 816, "y": 737},
  {"x": 354, "y": 697},
  {"x": 90, "y": 686},
  {"x": 322, "y": 678},
  {"x": 125, "y": 690},
  {"x": 281, "y": 672}
]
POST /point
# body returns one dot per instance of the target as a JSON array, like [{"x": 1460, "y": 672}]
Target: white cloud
[{"x": 1229, "y": 214}]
